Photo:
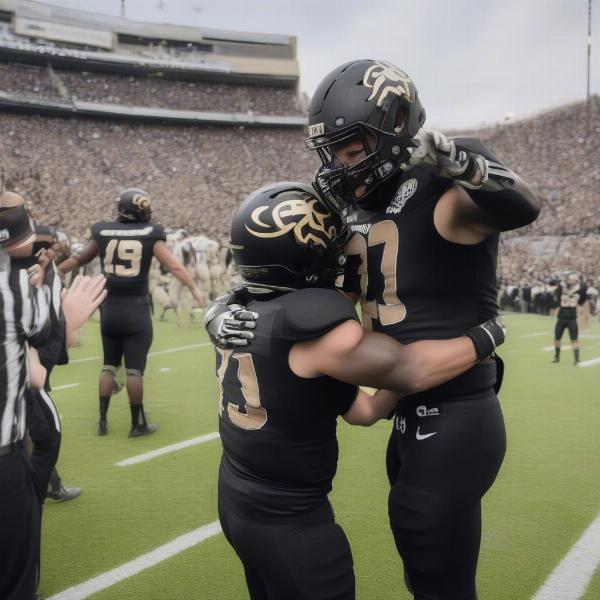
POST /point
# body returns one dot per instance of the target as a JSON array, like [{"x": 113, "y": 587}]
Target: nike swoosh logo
[{"x": 424, "y": 436}]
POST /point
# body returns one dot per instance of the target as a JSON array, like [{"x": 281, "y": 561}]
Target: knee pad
[
  {"x": 111, "y": 369},
  {"x": 134, "y": 373}
]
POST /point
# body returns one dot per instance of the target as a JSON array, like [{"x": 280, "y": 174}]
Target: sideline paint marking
[
  {"x": 63, "y": 387},
  {"x": 168, "y": 351},
  {"x": 139, "y": 564},
  {"x": 590, "y": 363},
  {"x": 571, "y": 577},
  {"x": 528, "y": 335},
  {"x": 134, "y": 460},
  {"x": 551, "y": 348}
]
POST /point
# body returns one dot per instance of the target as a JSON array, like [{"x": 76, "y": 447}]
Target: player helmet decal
[
  {"x": 283, "y": 238},
  {"x": 374, "y": 105},
  {"x": 134, "y": 205}
]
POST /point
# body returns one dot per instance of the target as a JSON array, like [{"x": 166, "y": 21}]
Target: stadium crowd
[
  {"x": 197, "y": 175},
  {"x": 61, "y": 85}
]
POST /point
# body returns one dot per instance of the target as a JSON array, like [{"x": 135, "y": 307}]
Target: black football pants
[
  {"x": 301, "y": 558},
  {"x": 43, "y": 426},
  {"x": 19, "y": 528},
  {"x": 442, "y": 458},
  {"x": 126, "y": 329}
]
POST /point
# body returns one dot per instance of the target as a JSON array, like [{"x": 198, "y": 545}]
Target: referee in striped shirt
[{"x": 24, "y": 319}]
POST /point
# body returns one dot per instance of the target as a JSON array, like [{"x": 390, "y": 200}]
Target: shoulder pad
[
  {"x": 159, "y": 232},
  {"x": 313, "y": 312}
]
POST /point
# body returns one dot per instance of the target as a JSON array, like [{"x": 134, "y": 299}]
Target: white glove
[{"x": 434, "y": 148}]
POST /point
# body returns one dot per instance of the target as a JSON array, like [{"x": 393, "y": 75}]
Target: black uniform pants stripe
[{"x": 442, "y": 458}]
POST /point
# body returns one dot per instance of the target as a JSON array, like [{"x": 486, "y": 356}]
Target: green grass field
[{"x": 546, "y": 495}]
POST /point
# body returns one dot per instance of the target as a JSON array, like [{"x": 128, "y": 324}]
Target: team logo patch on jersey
[
  {"x": 4, "y": 235},
  {"x": 308, "y": 223},
  {"x": 405, "y": 191},
  {"x": 387, "y": 79},
  {"x": 423, "y": 411},
  {"x": 401, "y": 425}
]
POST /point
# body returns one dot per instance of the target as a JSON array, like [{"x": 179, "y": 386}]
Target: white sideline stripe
[
  {"x": 168, "y": 351},
  {"x": 64, "y": 387},
  {"x": 139, "y": 564},
  {"x": 573, "y": 574},
  {"x": 590, "y": 363},
  {"x": 527, "y": 335},
  {"x": 550, "y": 348},
  {"x": 134, "y": 460}
]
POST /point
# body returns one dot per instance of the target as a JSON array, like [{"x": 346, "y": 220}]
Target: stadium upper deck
[{"x": 73, "y": 42}]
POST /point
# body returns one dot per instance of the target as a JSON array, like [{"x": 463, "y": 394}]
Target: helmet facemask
[
  {"x": 346, "y": 187},
  {"x": 374, "y": 106}
]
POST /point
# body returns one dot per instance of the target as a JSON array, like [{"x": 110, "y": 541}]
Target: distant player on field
[
  {"x": 570, "y": 294},
  {"x": 126, "y": 247}
]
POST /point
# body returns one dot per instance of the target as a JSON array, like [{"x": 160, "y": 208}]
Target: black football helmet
[
  {"x": 134, "y": 205},
  {"x": 367, "y": 101},
  {"x": 283, "y": 239}
]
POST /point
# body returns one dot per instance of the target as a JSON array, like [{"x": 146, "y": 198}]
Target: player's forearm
[
  {"x": 507, "y": 201},
  {"x": 367, "y": 410},
  {"x": 179, "y": 272},
  {"x": 429, "y": 363},
  {"x": 66, "y": 266}
]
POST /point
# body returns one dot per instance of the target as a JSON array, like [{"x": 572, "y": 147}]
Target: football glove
[
  {"x": 227, "y": 322},
  {"x": 486, "y": 337},
  {"x": 434, "y": 148}
]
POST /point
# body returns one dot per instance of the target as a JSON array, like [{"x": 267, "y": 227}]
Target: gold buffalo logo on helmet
[
  {"x": 142, "y": 202},
  {"x": 386, "y": 79},
  {"x": 297, "y": 215}
]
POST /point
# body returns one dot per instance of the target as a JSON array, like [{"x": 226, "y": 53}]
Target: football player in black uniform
[
  {"x": 570, "y": 294},
  {"x": 281, "y": 396},
  {"x": 425, "y": 213},
  {"x": 126, "y": 247}
]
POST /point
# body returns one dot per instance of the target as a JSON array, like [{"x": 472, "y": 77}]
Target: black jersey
[
  {"x": 126, "y": 251},
  {"x": 413, "y": 283},
  {"x": 279, "y": 430},
  {"x": 569, "y": 297}
]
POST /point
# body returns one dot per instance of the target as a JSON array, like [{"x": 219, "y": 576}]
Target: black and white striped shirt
[{"x": 24, "y": 318}]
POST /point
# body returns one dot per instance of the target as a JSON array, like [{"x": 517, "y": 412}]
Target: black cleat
[
  {"x": 64, "y": 493},
  {"x": 140, "y": 430},
  {"x": 102, "y": 429}
]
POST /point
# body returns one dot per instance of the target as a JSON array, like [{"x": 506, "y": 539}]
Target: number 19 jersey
[{"x": 126, "y": 251}]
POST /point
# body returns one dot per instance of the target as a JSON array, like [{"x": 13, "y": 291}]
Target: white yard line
[
  {"x": 528, "y": 335},
  {"x": 139, "y": 564},
  {"x": 590, "y": 363},
  {"x": 168, "y": 351},
  {"x": 66, "y": 386},
  {"x": 571, "y": 577},
  {"x": 551, "y": 348},
  {"x": 134, "y": 460}
]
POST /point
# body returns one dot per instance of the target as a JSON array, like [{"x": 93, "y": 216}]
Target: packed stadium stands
[{"x": 72, "y": 168}]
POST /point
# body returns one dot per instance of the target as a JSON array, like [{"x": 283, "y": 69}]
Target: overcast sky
[{"x": 473, "y": 61}]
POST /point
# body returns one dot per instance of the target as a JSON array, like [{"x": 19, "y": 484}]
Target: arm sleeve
[
  {"x": 313, "y": 312},
  {"x": 505, "y": 198}
]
